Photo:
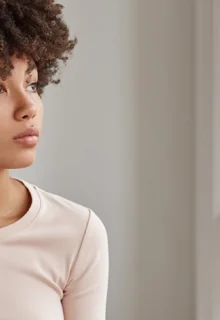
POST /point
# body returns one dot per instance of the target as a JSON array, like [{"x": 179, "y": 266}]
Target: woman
[{"x": 53, "y": 252}]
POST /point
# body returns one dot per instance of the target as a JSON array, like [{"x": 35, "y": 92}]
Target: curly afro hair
[{"x": 34, "y": 29}]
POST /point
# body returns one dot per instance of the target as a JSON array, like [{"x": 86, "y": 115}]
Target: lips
[{"x": 28, "y": 133}]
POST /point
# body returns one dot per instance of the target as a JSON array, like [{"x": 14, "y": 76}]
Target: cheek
[
  {"x": 41, "y": 109},
  {"x": 5, "y": 120},
  {"x": 40, "y": 114}
]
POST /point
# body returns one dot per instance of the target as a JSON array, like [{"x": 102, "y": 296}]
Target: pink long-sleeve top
[{"x": 54, "y": 262}]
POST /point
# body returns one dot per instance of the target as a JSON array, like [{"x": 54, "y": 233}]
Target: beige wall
[
  {"x": 203, "y": 160},
  {"x": 165, "y": 167}
]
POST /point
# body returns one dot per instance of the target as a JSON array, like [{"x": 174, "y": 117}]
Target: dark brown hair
[{"x": 34, "y": 29}]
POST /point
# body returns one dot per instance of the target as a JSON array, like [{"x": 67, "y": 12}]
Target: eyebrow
[{"x": 31, "y": 67}]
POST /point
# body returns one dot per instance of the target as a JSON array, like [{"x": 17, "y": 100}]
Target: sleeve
[{"x": 85, "y": 295}]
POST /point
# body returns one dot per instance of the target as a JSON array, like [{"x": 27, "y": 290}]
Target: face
[{"x": 21, "y": 108}]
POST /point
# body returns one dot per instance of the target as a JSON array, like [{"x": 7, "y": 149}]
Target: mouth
[
  {"x": 28, "y": 133},
  {"x": 29, "y": 137},
  {"x": 28, "y": 141}
]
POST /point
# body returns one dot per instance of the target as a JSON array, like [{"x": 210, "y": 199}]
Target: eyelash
[
  {"x": 31, "y": 84},
  {"x": 1, "y": 88},
  {"x": 34, "y": 84}
]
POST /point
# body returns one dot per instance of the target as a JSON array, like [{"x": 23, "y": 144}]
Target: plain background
[{"x": 118, "y": 138}]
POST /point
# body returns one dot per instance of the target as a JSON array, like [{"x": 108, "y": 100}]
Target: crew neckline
[{"x": 29, "y": 216}]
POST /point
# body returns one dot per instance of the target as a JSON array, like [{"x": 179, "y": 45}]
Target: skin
[{"x": 20, "y": 108}]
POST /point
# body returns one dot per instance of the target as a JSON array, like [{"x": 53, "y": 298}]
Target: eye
[
  {"x": 2, "y": 89},
  {"x": 33, "y": 87}
]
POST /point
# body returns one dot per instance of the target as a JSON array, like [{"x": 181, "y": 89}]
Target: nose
[{"x": 25, "y": 108}]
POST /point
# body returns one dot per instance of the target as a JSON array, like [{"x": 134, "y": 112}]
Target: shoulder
[
  {"x": 71, "y": 217},
  {"x": 72, "y": 235}
]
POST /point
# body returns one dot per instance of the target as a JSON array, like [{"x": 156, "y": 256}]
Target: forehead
[
  {"x": 24, "y": 64},
  {"x": 21, "y": 66}
]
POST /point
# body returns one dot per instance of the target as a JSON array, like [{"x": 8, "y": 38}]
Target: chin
[{"x": 22, "y": 159}]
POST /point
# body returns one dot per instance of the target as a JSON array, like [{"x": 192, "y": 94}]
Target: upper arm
[{"x": 85, "y": 295}]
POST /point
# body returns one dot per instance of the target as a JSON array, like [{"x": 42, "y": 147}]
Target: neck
[
  {"x": 6, "y": 190},
  {"x": 13, "y": 198}
]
